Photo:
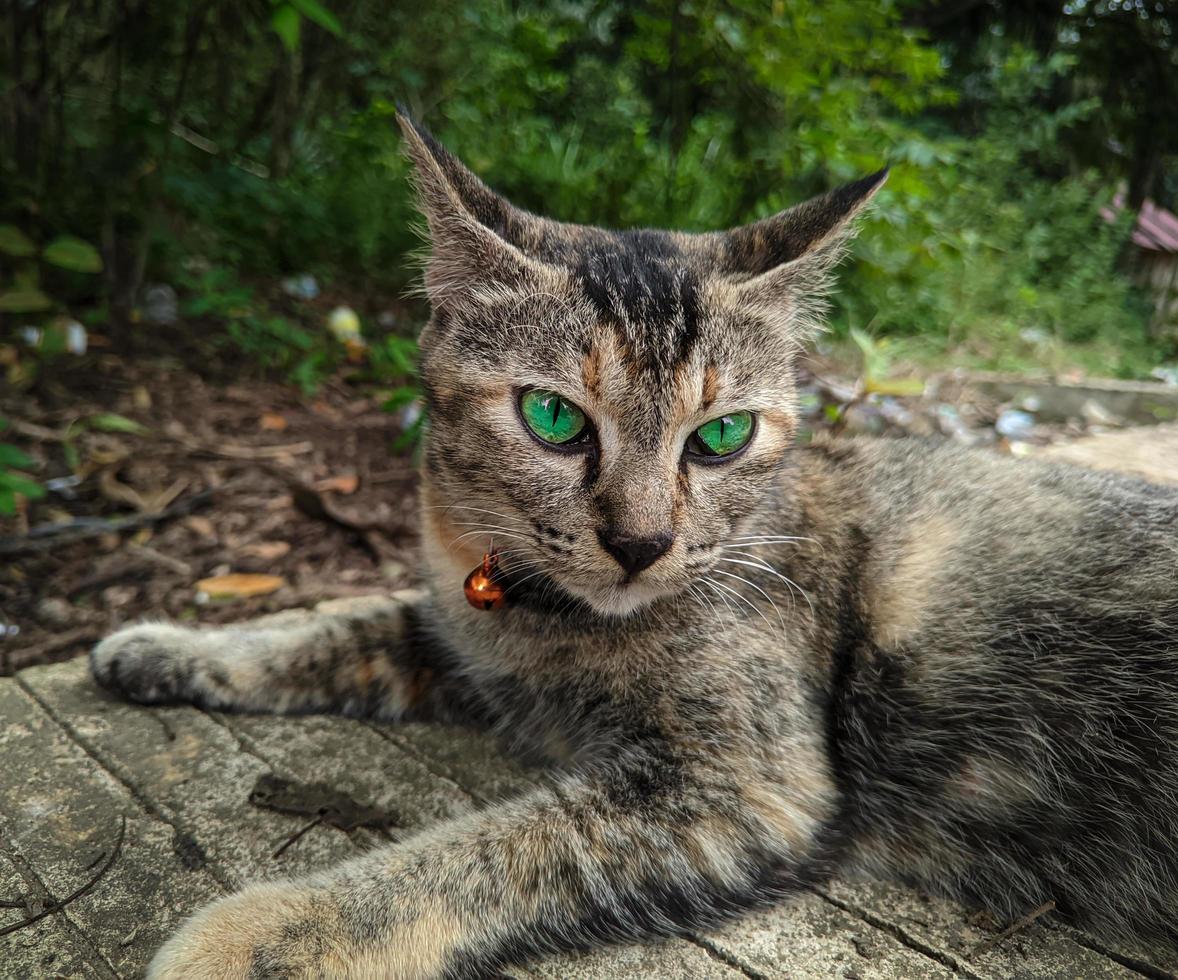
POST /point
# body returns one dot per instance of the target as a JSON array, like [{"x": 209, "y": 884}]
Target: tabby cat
[{"x": 761, "y": 662}]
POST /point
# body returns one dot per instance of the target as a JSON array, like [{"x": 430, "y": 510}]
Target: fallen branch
[
  {"x": 45, "y": 537},
  {"x": 230, "y": 451},
  {"x": 77, "y": 893},
  {"x": 39, "y": 652}
]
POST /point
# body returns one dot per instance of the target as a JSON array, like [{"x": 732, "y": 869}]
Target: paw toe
[{"x": 143, "y": 663}]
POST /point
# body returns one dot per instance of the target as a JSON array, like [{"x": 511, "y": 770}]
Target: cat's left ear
[
  {"x": 472, "y": 230},
  {"x": 792, "y": 252}
]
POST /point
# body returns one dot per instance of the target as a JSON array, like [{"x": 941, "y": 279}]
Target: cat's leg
[
  {"x": 369, "y": 657},
  {"x": 648, "y": 847}
]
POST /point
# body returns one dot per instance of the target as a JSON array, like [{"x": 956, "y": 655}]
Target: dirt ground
[{"x": 242, "y": 477}]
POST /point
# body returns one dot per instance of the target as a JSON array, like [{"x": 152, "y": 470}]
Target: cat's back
[
  {"x": 1005, "y": 674},
  {"x": 975, "y": 522}
]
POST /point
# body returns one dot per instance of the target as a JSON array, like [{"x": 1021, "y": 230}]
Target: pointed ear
[
  {"x": 467, "y": 222},
  {"x": 793, "y": 252}
]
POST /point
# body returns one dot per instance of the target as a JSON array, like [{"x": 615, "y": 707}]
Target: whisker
[
  {"x": 742, "y": 598},
  {"x": 479, "y": 510},
  {"x": 741, "y": 578},
  {"x": 489, "y": 534},
  {"x": 703, "y": 596},
  {"x": 494, "y": 527},
  {"x": 764, "y": 566}
]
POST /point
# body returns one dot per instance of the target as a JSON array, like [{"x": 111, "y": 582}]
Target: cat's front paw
[
  {"x": 268, "y": 930},
  {"x": 153, "y": 663}
]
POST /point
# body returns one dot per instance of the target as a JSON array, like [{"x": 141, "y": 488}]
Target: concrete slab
[
  {"x": 1150, "y": 453},
  {"x": 52, "y": 947},
  {"x": 60, "y": 811}
]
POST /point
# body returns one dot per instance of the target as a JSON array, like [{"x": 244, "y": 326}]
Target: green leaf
[
  {"x": 110, "y": 422},
  {"x": 24, "y": 299},
  {"x": 73, "y": 254},
  {"x": 18, "y": 484},
  {"x": 287, "y": 23},
  {"x": 399, "y": 397},
  {"x": 15, "y": 242},
  {"x": 315, "y": 11},
  {"x": 10, "y": 456}
]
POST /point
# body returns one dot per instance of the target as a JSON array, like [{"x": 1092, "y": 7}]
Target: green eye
[
  {"x": 554, "y": 419},
  {"x": 722, "y": 436}
]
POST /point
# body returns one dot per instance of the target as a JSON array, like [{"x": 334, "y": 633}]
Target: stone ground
[{"x": 77, "y": 763}]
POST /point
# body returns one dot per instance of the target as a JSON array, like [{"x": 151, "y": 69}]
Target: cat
[{"x": 761, "y": 661}]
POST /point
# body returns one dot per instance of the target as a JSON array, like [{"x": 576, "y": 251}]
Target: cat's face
[{"x": 608, "y": 408}]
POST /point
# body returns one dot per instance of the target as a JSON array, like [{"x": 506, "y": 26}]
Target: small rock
[
  {"x": 118, "y": 596},
  {"x": 386, "y": 320},
  {"x": 1031, "y": 403},
  {"x": 54, "y": 611},
  {"x": 160, "y": 304},
  {"x": 864, "y": 419},
  {"x": 301, "y": 287},
  {"x": 951, "y": 424},
  {"x": 896, "y": 413},
  {"x": 1015, "y": 424},
  {"x": 76, "y": 338}
]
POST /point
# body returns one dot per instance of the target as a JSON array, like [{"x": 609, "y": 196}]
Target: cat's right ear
[{"x": 466, "y": 251}]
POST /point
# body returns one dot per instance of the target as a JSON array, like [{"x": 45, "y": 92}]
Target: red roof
[{"x": 1156, "y": 229}]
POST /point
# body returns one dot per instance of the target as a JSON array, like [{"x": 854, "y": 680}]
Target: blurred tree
[
  {"x": 1126, "y": 56},
  {"x": 256, "y": 136}
]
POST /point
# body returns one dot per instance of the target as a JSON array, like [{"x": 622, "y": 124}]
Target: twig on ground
[
  {"x": 298, "y": 834},
  {"x": 39, "y": 652},
  {"x": 57, "y": 906},
  {"x": 177, "y": 565},
  {"x": 229, "y": 451},
  {"x": 45, "y": 537},
  {"x": 987, "y": 944}
]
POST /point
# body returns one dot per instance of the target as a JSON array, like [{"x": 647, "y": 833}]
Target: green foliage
[
  {"x": 269, "y": 340},
  {"x": 259, "y": 138},
  {"x": 1003, "y": 245},
  {"x": 12, "y": 481},
  {"x": 67, "y": 252},
  {"x": 24, "y": 294}
]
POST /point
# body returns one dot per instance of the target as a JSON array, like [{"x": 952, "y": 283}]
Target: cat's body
[{"x": 910, "y": 659}]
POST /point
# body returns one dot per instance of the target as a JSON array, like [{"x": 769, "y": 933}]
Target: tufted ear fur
[
  {"x": 471, "y": 228},
  {"x": 791, "y": 253}
]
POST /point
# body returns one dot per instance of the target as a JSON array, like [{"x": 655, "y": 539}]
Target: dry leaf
[
  {"x": 239, "y": 586},
  {"x": 201, "y": 525},
  {"x": 265, "y": 550},
  {"x": 345, "y": 483},
  {"x": 273, "y": 421}
]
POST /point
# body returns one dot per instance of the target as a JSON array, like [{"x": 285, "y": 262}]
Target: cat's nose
[{"x": 635, "y": 554}]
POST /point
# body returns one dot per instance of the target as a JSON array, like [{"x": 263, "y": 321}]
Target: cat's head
[{"x": 609, "y": 407}]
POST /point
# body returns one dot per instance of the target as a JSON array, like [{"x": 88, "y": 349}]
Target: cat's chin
[{"x": 618, "y": 601}]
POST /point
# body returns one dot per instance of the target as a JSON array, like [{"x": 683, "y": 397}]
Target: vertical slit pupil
[{"x": 555, "y": 410}]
